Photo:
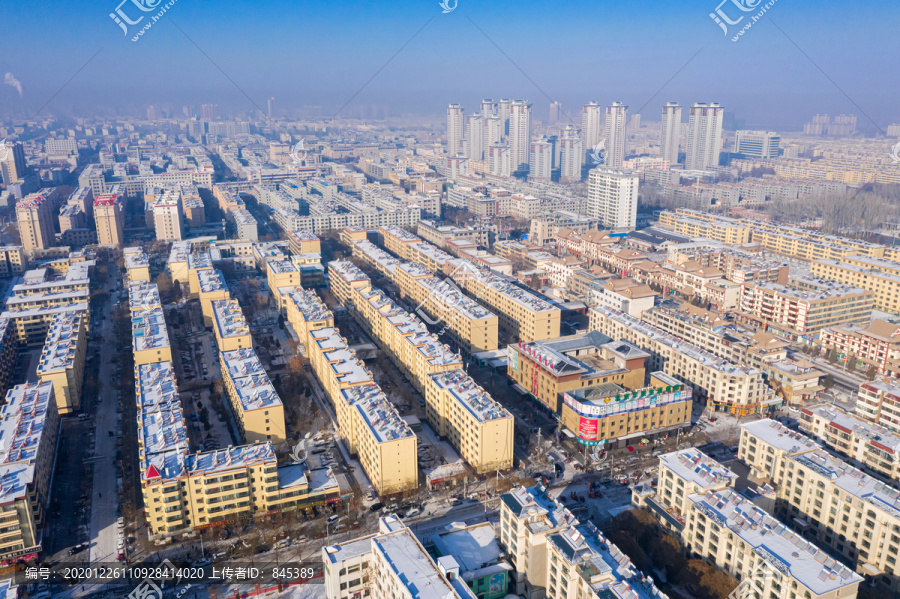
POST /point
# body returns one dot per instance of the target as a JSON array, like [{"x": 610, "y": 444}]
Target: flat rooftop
[
  {"x": 211, "y": 281},
  {"x": 347, "y": 271},
  {"x": 143, "y": 296},
  {"x": 472, "y": 397},
  {"x": 155, "y": 387},
  {"x": 378, "y": 414},
  {"x": 60, "y": 347},
  {"x": 229, "y": 318},
  {"x": 307, "y": 303},
  {"x": 148, "y": 330},
  {"x": 696, "y": 467},
  {"x": 199, "y": 260},
  {"x": 781, "y": 548},
  {"x": 779, "y": 436}
]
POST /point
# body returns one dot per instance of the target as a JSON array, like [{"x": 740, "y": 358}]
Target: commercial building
[
  {"x": 549, "y": 369},
  {"x": 29, "y": 427},
  {"x": 772, "y": 561},
  {"x": 866, "y": 445},
  {"x": 230, "y": 326},
  {"x": 62, "y": 359},
  {"x": 254, "y": 401},
  {"x": 481, "y": 561},
  {"x": 472, "y": 326},
  {"x": 109, "y": 217},
  {"x": 612, "y": 415},
  {"x": 759, "y": 144},
  {"x": 613, "y": 197},
  {"x": 721, "y": 384},
  {"x": 522, "y": 314}
]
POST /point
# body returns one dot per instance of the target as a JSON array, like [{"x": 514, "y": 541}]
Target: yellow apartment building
[
  {"x": 254, "y": 401},
  {"x": 62, "y": 359},
  {"x": 230, "y": 326},
  {"x": 211, "y": 287},
  {"x": 150, "y": 339}
]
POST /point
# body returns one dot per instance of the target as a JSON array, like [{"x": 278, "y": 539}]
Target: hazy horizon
[{"x": 320, "y": 54}]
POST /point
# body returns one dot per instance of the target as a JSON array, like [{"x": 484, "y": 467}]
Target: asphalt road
[{"x": 105, "y": 499}]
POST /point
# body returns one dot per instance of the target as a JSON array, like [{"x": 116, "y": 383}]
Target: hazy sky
[{"x": 321, "y": 53}]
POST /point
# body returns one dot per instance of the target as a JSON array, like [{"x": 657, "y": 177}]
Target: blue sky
[{"x": 320, "y": 53}]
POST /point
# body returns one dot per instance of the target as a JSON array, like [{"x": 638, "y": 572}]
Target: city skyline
[{"x": 167, "y": 68}]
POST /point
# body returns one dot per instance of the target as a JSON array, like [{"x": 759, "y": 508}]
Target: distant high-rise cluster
[
  {"x": 704, "y": 141},
  {"x": 670, "y": 132},
  {"x": 824, "y": 126},
  {"x": 616, "y": 115}
]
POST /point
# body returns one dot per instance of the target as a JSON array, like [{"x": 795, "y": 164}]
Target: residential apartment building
[
  {"x": 34, "y": 215},
  {"x": 684, "y": 473},
  {"x": 866, "y": 445},
  {"x": 245, "y": 225},
  {"x": 344, "y": 277},
  {"x": 229, "y": 325},
  {"x": 802, "y": 312},
  {"x": 389, "y": 564},
  {"x": 254, "y": 401},
  {"x": 477, "y": 426},
  {"x": 766, "y": 445},
  {"x": 878, "y": 401},
  {"x": 369, "y": 423},
  {"x": 305, "y": 311},
  {"x": 876, "y": 344},
  {"x": 522, "y": 314},
  {"x": 613, "y": 197},
  {"x": 770, "y": 559},
  {"x": 109, "y": 218},
  {"x": 879, "y": 276},
  {"x": 719, "y": 383},
  {"x": 168, "y": 217},
  {"x": 474, "y": 327},
  {"x": 211, "y": 287},
  {"x": 150, "y": 338},
  {"x": 554, "y": 556},
  {"x": 62, "y": 359},
  {"x": 303, "y": 242},
  {"x": 29, "y": 426},
  {"x": 137, "y": 265}
]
